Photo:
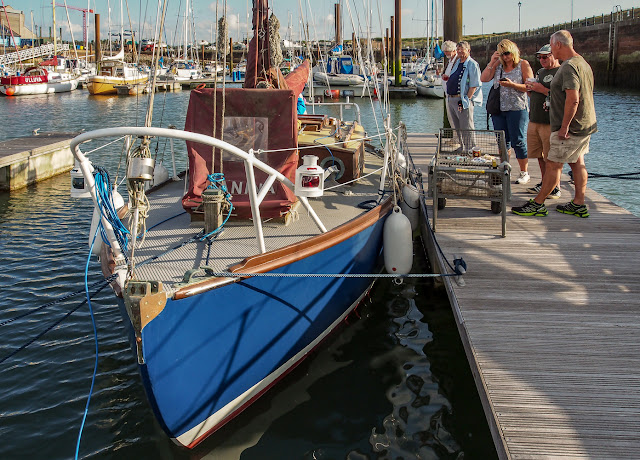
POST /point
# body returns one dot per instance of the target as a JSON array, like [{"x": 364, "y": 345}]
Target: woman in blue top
[{"x": 463, "y": 93}]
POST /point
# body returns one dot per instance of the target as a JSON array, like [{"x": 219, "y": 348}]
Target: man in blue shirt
[{"x": 464, "y": 91}]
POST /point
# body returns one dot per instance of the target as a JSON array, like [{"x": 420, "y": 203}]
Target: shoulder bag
[{"x": 493, "y": 99}]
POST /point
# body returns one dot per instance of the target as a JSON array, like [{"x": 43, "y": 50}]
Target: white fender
[
  {"x": 397, "y": 243},
  {"x": 401, "y": 164},
  {"x": 411, "y": 205},
  {"x": 118, "y": 203}
]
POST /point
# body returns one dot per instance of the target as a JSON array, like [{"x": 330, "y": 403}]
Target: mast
[
  {"x": 338, "y": 25},
  {"x": 55, "y": 49},
  {"x": 398, "y": 47},
  {"x": 186, "y": 25},
  {"x": 259, "y": 58},
  {"x": 121, "y": 27}
]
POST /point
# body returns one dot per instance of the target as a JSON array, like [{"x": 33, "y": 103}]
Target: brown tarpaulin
[{"x": 253, "y": 118}]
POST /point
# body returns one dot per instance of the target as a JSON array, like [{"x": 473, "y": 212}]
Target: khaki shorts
[
  {"x": 567, "y": 150},
  {"x": 538, "y": 140}
]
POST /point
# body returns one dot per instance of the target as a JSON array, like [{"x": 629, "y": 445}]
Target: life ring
[
  {"x": 333, "y": 161},
  {"x": 201, "y": 86}
]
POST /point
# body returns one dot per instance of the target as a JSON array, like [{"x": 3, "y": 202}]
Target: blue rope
[
  {"x": 315, "y": 141},
  {"x": 95, "y": 336},
  {"x": 217, "y": 183},
  {"x": 108, "y": 210}
]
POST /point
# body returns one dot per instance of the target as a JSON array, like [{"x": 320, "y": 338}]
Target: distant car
[{"x": 148, "y": 47}]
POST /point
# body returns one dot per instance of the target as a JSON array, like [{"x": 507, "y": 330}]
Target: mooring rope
[
  {"x": 624, "y": 176},
  {"x": 102, "y": 284}
]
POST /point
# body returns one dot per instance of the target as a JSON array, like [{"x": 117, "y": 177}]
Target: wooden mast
[{"x": 258, "y": 58}]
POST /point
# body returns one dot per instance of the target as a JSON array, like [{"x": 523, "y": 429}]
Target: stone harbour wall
[{"x": 612, "y": 49}]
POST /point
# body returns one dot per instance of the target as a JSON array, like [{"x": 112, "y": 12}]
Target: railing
[
  {"x": 616, "y": 15},
  {"x": 250, "y": 161},
  {"x": 340, "y": 105},
  {"x": 30, "y": 53}
]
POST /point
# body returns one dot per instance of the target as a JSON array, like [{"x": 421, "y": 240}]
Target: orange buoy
[{"x": 10, "y": 91}]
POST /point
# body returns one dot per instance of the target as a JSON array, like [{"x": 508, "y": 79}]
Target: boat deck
[
  {"x": 177, "y": 249},
  {"x": 549, "y": 320}
]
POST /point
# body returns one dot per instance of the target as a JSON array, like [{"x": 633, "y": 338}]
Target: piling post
[
  {"x": 98, "y": 54},
  {"x": 392, "y": 47},
  {"x": 398, "y": 47},
  {"x": 452, "y": 20}
]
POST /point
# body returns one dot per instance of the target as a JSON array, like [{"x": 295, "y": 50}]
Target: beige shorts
[
  {"x": 538, "y": 140},
  {"x": 567, "y": 150}
]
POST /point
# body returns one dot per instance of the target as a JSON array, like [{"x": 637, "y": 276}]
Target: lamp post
[
  {"x": 519, "y": 5},
  {"x": 482, "y": 22}
]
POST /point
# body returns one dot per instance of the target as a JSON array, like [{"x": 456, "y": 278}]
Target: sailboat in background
[
  {"x": 50, "y": 76},
  {"x": 114, "y": 71},
  {"x": 185, "y": 69},
  {"x": 428, "y": 81}
]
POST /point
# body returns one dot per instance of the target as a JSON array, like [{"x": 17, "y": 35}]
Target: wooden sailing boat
[
  {"x": 114, "y": 71},
  {"x": 221, "y": 301}
]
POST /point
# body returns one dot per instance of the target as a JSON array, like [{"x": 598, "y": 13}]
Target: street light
[
  {"x": 482, "y": 21},
  {"x": 519, "y": 5}
]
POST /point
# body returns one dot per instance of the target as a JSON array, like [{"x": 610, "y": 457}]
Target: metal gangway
[{"x": 30, "y": 53}]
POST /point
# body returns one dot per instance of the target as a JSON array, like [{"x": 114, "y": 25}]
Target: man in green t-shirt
[{"x": 573, "y": 120}]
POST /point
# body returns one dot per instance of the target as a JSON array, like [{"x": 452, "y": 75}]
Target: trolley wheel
[
  {"x": 442, "y": 202},
  {"x": 496, "y": 207}
]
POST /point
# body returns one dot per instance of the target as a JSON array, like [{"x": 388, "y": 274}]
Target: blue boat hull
[{"x": 208, "y": 356}]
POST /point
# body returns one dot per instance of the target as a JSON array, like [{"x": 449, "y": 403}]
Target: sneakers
[
  {"x": 530, "y": 208},
  {"x": 523, "y": 178},
  {"x": 535, "y": 189},
  {"x": 579, "y": 210},
  {"x": 555, "y": 193}
]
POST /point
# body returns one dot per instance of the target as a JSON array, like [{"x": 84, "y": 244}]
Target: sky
[{"x": 479, "y": 16}]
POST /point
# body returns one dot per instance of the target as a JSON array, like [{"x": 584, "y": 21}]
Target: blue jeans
[{"x": 514, "y": 124}]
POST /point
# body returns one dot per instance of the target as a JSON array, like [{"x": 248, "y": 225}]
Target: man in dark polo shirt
[
  {"x": 573, "y": 120},
  {"x": 539, "y": 129}
]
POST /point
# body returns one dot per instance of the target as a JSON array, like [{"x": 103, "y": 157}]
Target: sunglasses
[
  {"x": 543, "y": 56},
  {"x": 506, "y": 53}
]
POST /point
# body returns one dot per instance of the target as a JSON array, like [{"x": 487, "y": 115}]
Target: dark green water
[{"x": 392, "y": 382}]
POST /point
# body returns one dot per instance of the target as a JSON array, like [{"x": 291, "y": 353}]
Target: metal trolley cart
[{"x": 481, "y": 172}]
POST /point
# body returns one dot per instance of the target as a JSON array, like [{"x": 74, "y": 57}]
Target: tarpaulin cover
[
  {"x": 253, "y": 118},
  {"x": 346, "y": 66},
  {"x": 52, "y": 61},
  {"x": 297, "y": 78}
]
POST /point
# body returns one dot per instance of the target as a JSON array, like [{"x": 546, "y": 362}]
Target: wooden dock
[
  {"x": 550, "y": 320},
  {"x": 27, "y": 160}
]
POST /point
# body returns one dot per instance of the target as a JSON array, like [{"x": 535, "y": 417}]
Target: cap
[{"x": 546, "y": 49}]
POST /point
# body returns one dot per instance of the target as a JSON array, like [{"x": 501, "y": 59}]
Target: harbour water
[{"x": 391, "y": 382}]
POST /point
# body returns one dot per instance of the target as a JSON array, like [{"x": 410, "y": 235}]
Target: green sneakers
[
  {"x": 579, "y": 210},
  {"x": 530, "y": 208}
]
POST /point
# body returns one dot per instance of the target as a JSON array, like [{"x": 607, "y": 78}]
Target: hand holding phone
[{"x": 503, "y": 79}]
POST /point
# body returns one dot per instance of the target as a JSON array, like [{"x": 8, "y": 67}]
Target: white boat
[
  {"x": 182, "y": 70},
  {"x": 430, "y": 85},
  {"x": 338, "y": 79},
  {"x": 37, "y": 80}
]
